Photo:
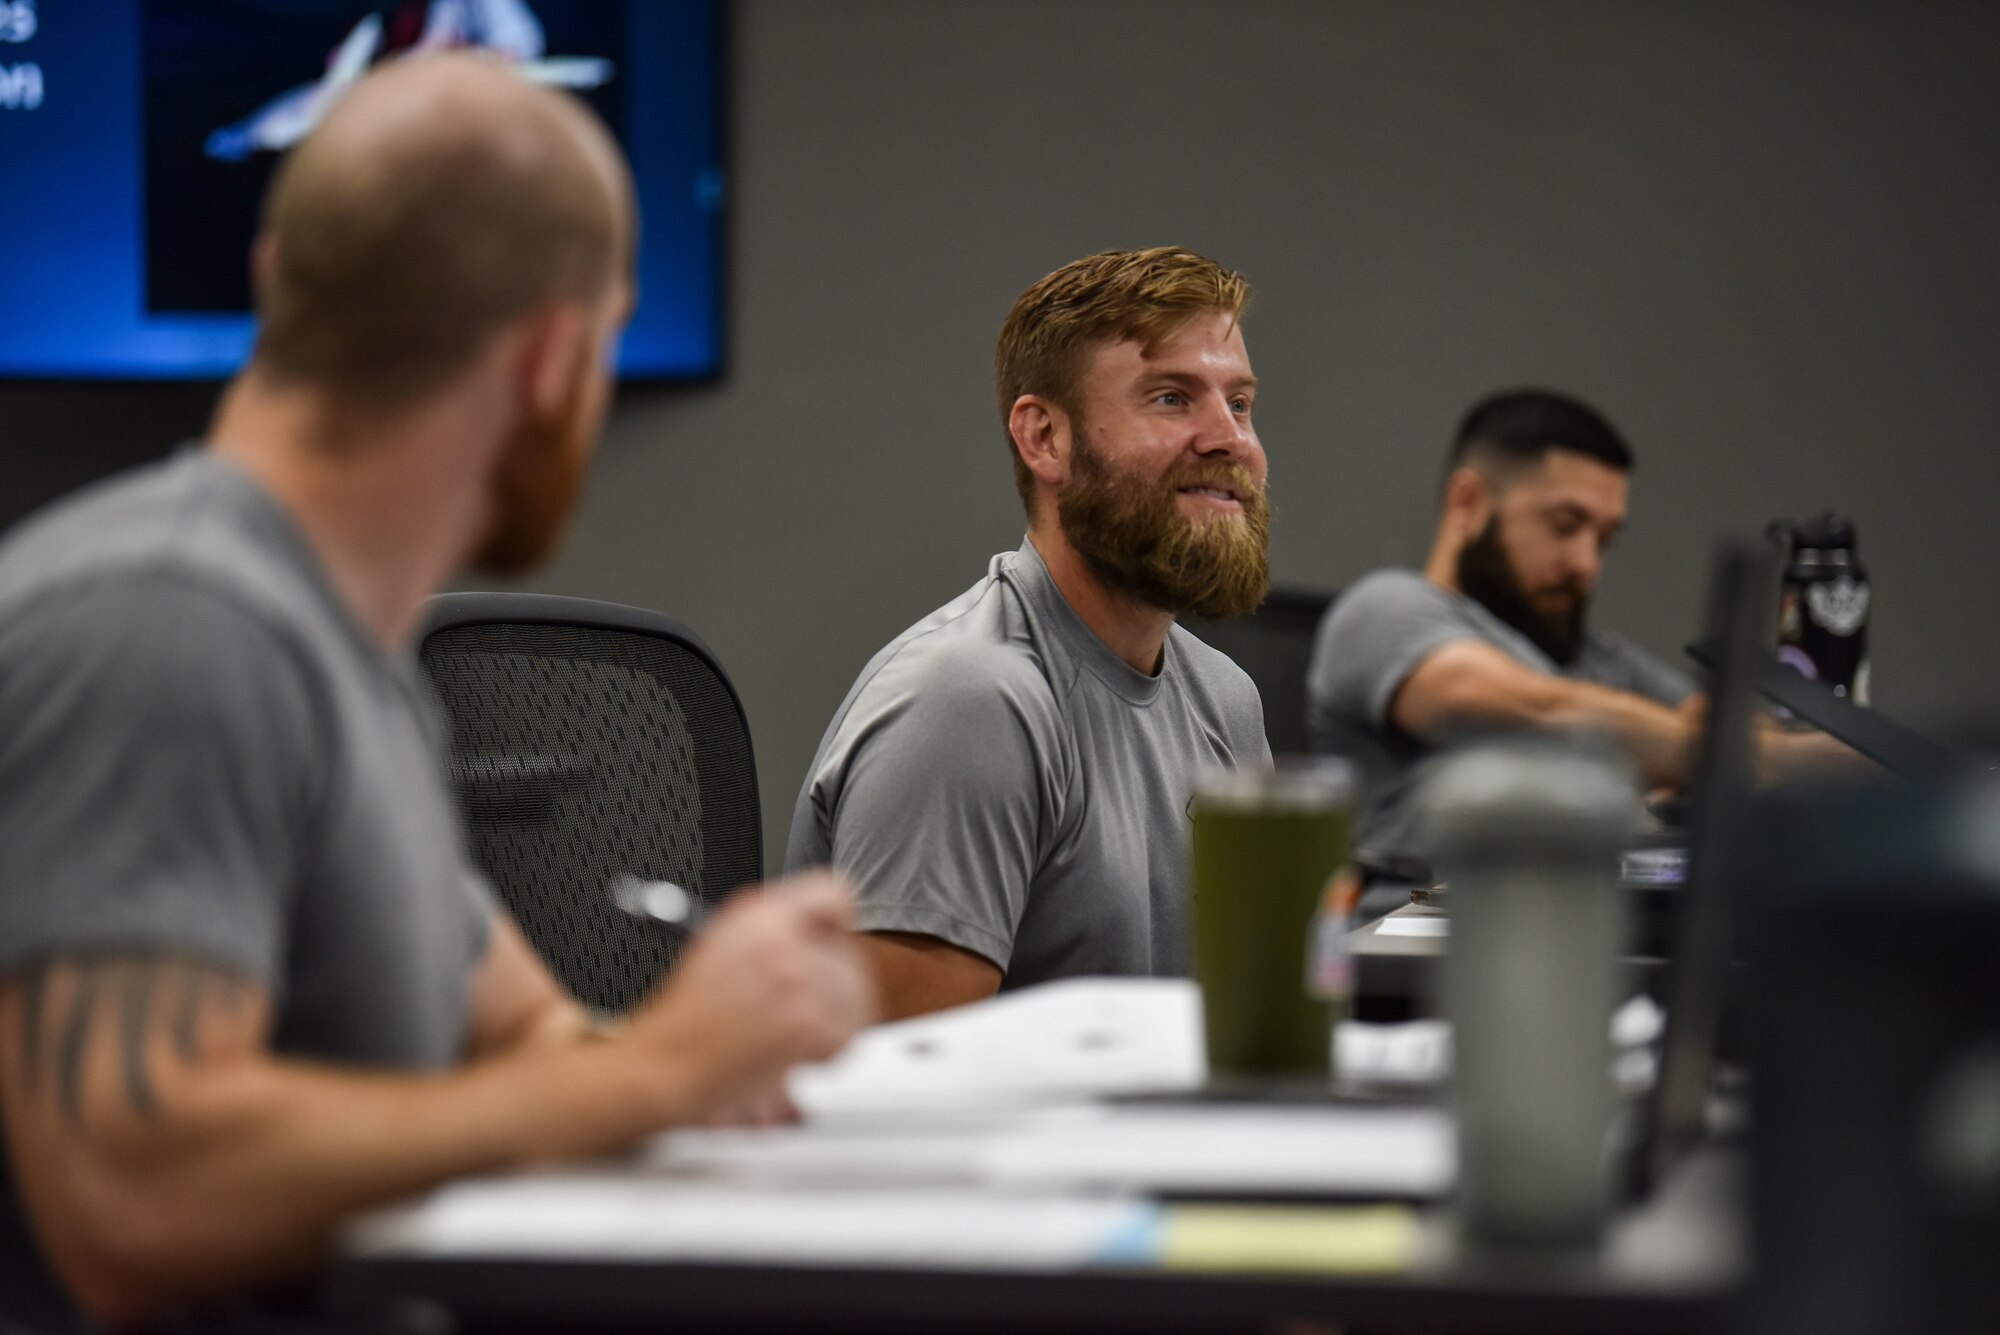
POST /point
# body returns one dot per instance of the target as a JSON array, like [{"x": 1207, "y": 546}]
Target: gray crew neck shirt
[
  {"x": 999, "y": 779},
  {"x": 203, "y": 755},
  {"x": 1372, "y": 639}
]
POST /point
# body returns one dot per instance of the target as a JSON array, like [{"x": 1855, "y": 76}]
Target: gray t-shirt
[
  {"x": 1373, "y": 638},
  {"x": 1001, "y": 780},
  {"x": 202, "y": 754}
]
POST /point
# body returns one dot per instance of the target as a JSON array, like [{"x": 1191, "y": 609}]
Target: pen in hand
[{"x": 661, "y": 903}]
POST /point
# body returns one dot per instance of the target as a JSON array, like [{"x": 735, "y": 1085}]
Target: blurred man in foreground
[
  {"x": 248, "y": 982},
  {"x": 1494, "y": 631},
  {"x": 1008, "y": 782}
]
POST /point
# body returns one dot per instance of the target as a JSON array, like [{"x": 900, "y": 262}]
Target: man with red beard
[
  {"x": 1007, "y": 784},
  {"x": 248, "y": 981},
  {"x": 1492, "y": 633}
]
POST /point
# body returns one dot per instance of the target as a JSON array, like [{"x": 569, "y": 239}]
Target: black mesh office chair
[
  {"x": 1274, "y": 645},
  {"x": 591, "y": 742}
]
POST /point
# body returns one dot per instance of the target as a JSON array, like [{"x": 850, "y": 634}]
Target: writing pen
[{"x": 661, "y": 903}]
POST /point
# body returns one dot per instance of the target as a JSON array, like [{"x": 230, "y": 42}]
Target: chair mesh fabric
[{"x": 583, "y": 754}]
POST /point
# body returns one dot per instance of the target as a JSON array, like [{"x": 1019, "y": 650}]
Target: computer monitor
[
  {"x": 138, "y": 136},
  {"x": 1741, "y": 619}
]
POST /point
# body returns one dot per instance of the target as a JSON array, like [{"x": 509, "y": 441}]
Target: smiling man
[
  {"x": 1007, "y": 783},
  {"x": 1492, "y": 633}
]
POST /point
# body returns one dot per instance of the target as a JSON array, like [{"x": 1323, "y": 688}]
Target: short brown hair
[
  {"x": 1143, "y": 295},
  {"x": 399, "y": 252}
]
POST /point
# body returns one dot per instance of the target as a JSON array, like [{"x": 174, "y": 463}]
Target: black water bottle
[{"x": 1823, "y": 605}]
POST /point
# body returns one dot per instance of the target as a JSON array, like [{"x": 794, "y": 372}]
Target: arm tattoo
[
  {"x": 34, "y": 990},
  {"x": 76, "y": 1032},
  {"x": 138, "y": 1003},
  {"x": 141, "y": 990},
  {"x": 189, "y": 1016}
]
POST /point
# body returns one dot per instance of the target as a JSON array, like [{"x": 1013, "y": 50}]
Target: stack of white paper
[{"x": 1080, "y": 1038}]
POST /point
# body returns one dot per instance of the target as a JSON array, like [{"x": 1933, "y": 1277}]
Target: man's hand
[
  {"x": 775, "y": 980},
  {"x": 1785, "y": 754}
]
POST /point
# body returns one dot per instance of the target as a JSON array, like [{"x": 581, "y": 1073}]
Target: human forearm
[
  {"x": 1658, "y": 740},
  {"x": 1472, "y": 685},
  {"x": 165, "y": 1156},
  {"x": 213, "y": 1175}
]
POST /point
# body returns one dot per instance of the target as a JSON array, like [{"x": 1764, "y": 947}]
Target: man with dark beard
[
  {"x": 1007, "y": 783},
  {"x": 1493, "y": 633},
  {"x": 248, "y": 981}
]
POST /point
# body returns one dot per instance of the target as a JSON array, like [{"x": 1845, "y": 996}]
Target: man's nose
[
  {"x": 1585, "y": 558},
  {"x": 1222, "y": 431}
]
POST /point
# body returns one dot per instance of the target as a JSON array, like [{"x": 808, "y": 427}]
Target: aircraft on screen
[{"x": 507, "y": 28}]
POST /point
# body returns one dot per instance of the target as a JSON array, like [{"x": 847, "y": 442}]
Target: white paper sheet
[
  {"x": 648, "y": 1218},
  {"x": 1080, "y": 1037},
  {"x": 1282, "y": 1150},
  {"x": 1414, "y": 927}
]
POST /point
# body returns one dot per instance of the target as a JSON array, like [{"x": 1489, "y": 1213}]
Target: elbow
[
  {"x": 1470, "y": 707},
  {"x": 119, "y": 1270},
  {"x": 128, "y": 1253}
]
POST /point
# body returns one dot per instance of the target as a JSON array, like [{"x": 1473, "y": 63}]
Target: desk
[
  {"x": 1396, "y": 974},
  {"x": 1675, "y": 1265}
]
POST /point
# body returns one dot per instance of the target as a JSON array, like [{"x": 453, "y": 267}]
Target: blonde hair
[{"x": 1141, "y": 295}]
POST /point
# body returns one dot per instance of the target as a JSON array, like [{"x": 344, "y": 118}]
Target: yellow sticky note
[{"x": 1360, "y": 1240}]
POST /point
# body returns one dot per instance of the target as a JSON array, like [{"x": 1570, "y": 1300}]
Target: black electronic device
[
  {"x": 1740, "y": 617},
  {"x": 1873, "y": 937}
]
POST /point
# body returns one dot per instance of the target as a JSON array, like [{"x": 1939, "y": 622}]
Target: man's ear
[
  {"x": 263, "y": 261},
  {"x": 1041, "y": 432},
  {"x": 557, "y": 341},
  {"x": 1468, "y": 501}
]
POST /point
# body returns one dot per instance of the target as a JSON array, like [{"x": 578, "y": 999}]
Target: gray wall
[{"x": 1761, "y": 237}]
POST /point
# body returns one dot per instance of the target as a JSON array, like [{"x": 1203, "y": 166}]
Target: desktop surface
[{"x": 1675, "y": 1264}]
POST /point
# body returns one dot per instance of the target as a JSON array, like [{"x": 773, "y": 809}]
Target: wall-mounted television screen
[{"x": 137, "y": 137}]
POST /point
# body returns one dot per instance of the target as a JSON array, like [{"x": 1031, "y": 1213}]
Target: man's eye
[
  {"x": 1240, "y": 406},
  {"x": 1171, "y": 397}
]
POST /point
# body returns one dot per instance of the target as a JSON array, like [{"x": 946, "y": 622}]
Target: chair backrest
[
  {"x": 589, "y": 742},
  {"x": 1274, "y": 645}
]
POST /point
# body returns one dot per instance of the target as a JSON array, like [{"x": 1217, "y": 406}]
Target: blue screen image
[{"x": 137, "y": 138}]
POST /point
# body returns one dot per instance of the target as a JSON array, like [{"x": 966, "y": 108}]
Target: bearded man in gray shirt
[
  {"x": 1007, "y": 784},
  {"x": 1492, "y": 633},
  {"x": 249, "y": 982}
]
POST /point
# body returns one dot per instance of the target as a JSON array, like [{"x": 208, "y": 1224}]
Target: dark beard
[
  {"x": 1136, "y": 540},
  {"x": 1486, "y": 576}
]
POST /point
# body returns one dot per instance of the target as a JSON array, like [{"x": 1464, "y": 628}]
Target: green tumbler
[{"x": 1269, "y": 844}]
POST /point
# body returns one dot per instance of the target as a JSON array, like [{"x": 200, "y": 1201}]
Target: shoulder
[
  {"x": 1388, "y": 593},
  {"x": 1381, "y": 613},
  {"x": 966, "y": 663},
  {"x": 161, "y": 636},
  {"x": 963, "y": 668}
]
